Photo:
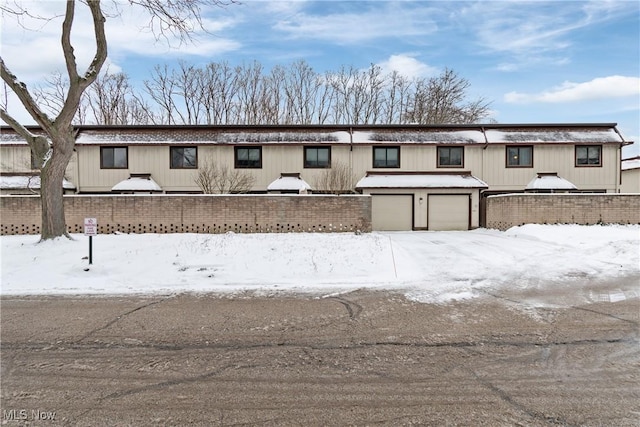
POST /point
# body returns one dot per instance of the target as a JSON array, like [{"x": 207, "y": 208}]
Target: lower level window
[
  {"x": 184, "y": 157},
  {"x": 588, "y": 155}
]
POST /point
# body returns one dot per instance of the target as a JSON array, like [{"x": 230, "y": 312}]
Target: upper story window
[
  {"x": 248, "y": 157},
  {"x": 520, "y": 156},
  {"x": 588, "y": 155},
  {"x": 184, "y": 157},
  {"x": 386, "y": 157},
  {"x": 317, "y": 157},
  {"x": 114, "y": 158},
  {"x": 450, "y": 157}
]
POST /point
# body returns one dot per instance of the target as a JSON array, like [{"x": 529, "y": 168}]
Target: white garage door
[
  {"x": 448, "y": 212},
  {"x": 392, "y": 212}
]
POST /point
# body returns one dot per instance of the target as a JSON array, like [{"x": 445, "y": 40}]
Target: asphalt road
[{"x": 356, "y": 359}]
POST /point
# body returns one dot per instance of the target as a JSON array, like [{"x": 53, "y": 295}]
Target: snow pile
[{"x": 426, "y": 266}]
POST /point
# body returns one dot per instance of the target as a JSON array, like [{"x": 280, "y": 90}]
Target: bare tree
[
  {"x": 213, "y": 178},
  {"x": 219, "y": 94},
  {"x": 60, "y": 138},
  {"x": 302, "y": 86},
  {"x": 339, "y": 179},
  {"x": 220, "y": 86},
  {"x": 112, "y": 101},
  {"x": 176, "y": 17},
  {"x": 397, "y": 97},
  {"x": 442, "y": 100},
  {"x": 249, "y": 87},
  {"x": 161, "y": 89},
  {"x": 188, "y": 85}
]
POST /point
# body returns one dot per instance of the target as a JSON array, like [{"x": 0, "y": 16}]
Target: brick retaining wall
[
  {"x": 509, "y": 210},
  {"x": 293, "y": 213},
  {"x": 195, "y": 213}
]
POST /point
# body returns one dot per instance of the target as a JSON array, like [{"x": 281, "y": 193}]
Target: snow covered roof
[
  {"x": 632, "y": 163},
  {"x": 141, "y": 182},
  {"x": 289, "y": 182},
  {"x": 553, "y": 135},
  {"x": 420, "y": 180},
  {"x": 339, "y": 134},
  {"x": 550, "y": 181},
  {"x": 23, "y": 182}
]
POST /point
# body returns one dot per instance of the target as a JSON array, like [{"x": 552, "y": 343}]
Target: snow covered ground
[{"x": 426, "y": 266}]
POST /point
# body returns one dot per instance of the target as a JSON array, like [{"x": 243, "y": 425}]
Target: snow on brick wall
[
  {"x": 196, "y": 213},
  {"x": 510, "y": 210}
]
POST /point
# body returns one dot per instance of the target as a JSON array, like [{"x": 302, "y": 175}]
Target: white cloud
[
  {"x": 394, "y": 19},
  {"x": 407, "y": 65},
  {"x": 598, "y": 88},
  {"x": 536, "y": 32}
]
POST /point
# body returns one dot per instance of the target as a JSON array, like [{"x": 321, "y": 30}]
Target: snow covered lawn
[{"x": 426, "y": 266}]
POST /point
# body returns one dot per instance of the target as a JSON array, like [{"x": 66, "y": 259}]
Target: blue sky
[{"x": 538, "y": 62}]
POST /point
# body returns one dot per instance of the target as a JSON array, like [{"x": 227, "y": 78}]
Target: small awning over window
[
  {"x": 420, "y": 180},
  {"x": 549, "y": 181},
  {"x": 137, "y": 183},
  {"x": 289, "y": 182}
]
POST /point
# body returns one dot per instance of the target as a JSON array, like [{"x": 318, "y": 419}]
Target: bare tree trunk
[{"x": 51, "y": 186}]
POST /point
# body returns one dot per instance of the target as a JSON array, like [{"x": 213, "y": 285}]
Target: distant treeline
[{"x": 219, "y": 94}]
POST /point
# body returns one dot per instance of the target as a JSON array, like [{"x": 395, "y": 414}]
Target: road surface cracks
[{"x": 354, "y": 359}]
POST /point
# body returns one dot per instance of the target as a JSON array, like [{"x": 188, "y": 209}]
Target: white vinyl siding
[
  {"x": 484, "y": 162},
  {"x": 15, "y": 158}
]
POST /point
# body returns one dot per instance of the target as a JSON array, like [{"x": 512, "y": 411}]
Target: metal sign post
[{"x": 90, "y": 229}]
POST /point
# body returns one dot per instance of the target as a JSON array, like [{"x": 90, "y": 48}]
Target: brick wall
[
  {"x": 505, "y": 211},
  {"x": 195, "y": 213}
]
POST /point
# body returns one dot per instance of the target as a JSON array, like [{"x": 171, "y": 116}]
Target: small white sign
[{"x": 90, "y": 227}]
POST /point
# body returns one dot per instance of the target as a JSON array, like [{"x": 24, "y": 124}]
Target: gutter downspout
[
  {"x": 351, "y": 155},
  {"x": 486, "y": 144},
  {"x": 482, "y": 204}
]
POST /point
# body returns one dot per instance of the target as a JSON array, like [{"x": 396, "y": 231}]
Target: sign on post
[{"x": 90, "y": 229}]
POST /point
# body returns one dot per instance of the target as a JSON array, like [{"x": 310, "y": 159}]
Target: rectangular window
[
  {"x": 317, "y": 157},
  {"x": 248, "y": 157},
  {"x": 386, "y": 157},
  {"x": 589, "y": 155},
  {"x": 184, "y": 157},
  {"x": 114, "y": 158},
  {"x": 520, "y": 156},
  {"x": 450, "y": 157}
]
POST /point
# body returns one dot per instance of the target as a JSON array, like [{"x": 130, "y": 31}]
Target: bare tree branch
[
  {"x": 180, "y": 18},
  {"x": 220, "y": 179},
  {"x": 339, "y": 179}
]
